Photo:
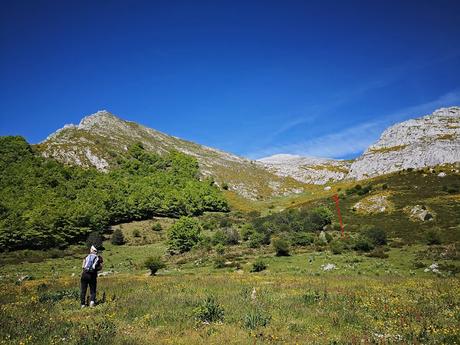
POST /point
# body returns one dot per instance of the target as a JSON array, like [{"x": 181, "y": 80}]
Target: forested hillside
[{"x": 45, "y": 203}]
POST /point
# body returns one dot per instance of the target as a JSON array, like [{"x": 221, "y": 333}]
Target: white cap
[{"x": 93, "y": 249}]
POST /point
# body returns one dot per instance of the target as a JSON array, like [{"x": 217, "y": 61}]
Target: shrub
[
  {"x": 184, "y": 234},
  {"x": 378, "y": 253},
  {"x": 256, "y": 318},
  {"x": 225, "y": 222},
  {"x": 337, "y": 247},
  {"x": 377, "y": 236},
  {"x": 258, "y": 265},
  {"x": 320, "y": 217},
  {"x": 311, "y": 297},
  {"x": 218, "y": 237},
  {"x": 364, "y": 190},
  {"x": 209, "y": 311},
  {"x": 281, "y": 247},
  {"x": 256, "y": 240},
  {"x": 219, "y": 262},
  {"x": 302, "y": 239},
  {"x": 136, "y": 233},
  {"x": 246, "y": 231},
  {"x": 432, "y": 237},
  {"x": 363, "y": 245},
  {"x": 220, "y": 249},
  {"x": 154, "y": 263},
  {"x": 157, "y": 226},
  {"x": 117, "y": 238},
  {"x": 94, "y": 239},
  {"x": 232, "y": 236}
]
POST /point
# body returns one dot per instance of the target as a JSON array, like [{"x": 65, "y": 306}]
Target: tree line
[{"x": 46, "y": 204}]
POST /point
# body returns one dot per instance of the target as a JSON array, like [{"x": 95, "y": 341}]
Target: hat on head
[{"x": 93, "y": 249}]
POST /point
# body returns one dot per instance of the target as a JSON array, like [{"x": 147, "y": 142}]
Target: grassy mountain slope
[
  {"x": 100, "y": 139},
  {"x": 402, "y": 192}
]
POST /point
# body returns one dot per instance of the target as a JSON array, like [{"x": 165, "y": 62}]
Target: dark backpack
[{"x": 99, "y": 263}]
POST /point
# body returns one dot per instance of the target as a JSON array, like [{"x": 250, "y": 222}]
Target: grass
[
  {"x": 293, "y": 301},
  {"x": 387, "y": 149}
]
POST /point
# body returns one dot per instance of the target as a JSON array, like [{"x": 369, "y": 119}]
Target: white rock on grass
[
  {"x": 328, "y": 267},
  {"x": 434, "y": 267}
]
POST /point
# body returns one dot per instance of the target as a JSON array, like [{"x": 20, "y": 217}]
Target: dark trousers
[{"x": 88, "y": 278}]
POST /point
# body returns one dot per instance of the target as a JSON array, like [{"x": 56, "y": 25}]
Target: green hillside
[{"x": 46, "y": 204}]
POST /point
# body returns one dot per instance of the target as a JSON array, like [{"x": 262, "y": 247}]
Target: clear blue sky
[{"x": 254, "y": 78}]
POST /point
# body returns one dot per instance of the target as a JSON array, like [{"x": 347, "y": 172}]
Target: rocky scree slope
[
  {"x": 307, "y": 169},
  {"x": 102, "y": 137}
]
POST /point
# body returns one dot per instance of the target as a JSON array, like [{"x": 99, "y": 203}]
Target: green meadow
[{"x": 293, "y": 301}]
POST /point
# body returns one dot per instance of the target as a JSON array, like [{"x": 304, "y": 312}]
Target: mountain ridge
[
  {"x": 425, "y": 141},
  {"x": 101, "y": 137}
]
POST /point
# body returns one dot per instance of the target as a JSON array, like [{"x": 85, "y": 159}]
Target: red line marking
[{"x": 336, "y": 199}]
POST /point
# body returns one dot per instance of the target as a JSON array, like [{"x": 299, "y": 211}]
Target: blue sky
[{"x": 254, "y": 78}]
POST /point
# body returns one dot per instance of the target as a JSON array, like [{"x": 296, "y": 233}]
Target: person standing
[{"x": 91, "y": 265}]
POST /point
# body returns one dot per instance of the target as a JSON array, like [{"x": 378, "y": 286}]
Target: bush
[
  {"x": 337, "y": 247},
  {"x": 256, "y": 319},
  {"x": 220, "y": 249},
  {"x": 377, "y": 236},
  {"x": 302, "y": 239},
  {"x": 246, "y": 231},
  {"x": 378, "y": 253},
  {"x": 209, "y": 311},
  {"x": 432, "y": 237},
  {"x": 256, "y": 240},
  {"x": 363, "y": 245},
  {"x": 117, "y": 238},
  {"x": 154, "y": 263},
  {"x": 281, "y": 247},
  {"x": 184, "y": 234},
  {"x": 157, "y": 226},
  {"x": 136, "y": 233},
  {"x": 320, "y": 217},
  {"x": 258, "y": 265},
  {"x": 95, "y": 239},
  {"x": 219, "y": 262}
]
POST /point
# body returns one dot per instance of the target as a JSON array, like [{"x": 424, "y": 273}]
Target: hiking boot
[{"x": 91, "y": 304}]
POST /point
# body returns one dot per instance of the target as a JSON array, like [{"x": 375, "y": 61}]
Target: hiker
[{"x": 91, "y": 264}]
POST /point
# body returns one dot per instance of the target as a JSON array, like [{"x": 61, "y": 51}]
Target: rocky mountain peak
[
  {"x": 99, "y": 117},
  {"x": 417, "y": 143}
]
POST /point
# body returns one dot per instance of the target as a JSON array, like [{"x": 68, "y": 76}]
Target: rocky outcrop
[
  {"x": 99, "y": 139},
  {"x": 427, "y": 141},
  {"x": 307, "y": 169}
]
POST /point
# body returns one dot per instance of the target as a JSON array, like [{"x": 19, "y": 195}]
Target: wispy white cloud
[
  {"x": 356, "y": 139},
  {"x": 388, "y": 77}
]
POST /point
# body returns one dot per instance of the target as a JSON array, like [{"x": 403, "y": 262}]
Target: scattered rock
[
  {"x": 442, "y": 174},
  {"x": 322, "y": 237},
  {"x": 419, "y": 213},
  {"x": 374, "y": 204},
  {"x": 328, "y": 267},
  {"x": 24, "y": 278},
  {"x": 433, "y": 268},
  {"x": 327, "y": 188},
  {"x": 105, "y": 273}
]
